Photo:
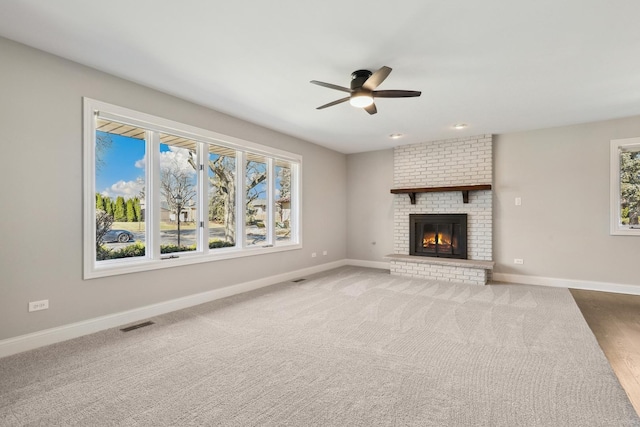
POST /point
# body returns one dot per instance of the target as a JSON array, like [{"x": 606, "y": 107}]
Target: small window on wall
[{"x": 625, "y": 186}]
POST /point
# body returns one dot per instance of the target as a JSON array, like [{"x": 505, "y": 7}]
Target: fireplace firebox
[{"x": 438, "y": 235}]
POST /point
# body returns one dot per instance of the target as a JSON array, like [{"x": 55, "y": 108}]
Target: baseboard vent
[
  {"x": 138, "y": 326},
  {"x": 298, "y": 280}
]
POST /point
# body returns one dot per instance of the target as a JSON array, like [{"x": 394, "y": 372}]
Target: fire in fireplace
[{"x": 438, "y": 235}]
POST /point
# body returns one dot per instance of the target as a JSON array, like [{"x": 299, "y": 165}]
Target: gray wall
[
  {"x": 41, "y": 197},
  {"x": 562, "y": 228},
  {"x": 370, "y": 205}
]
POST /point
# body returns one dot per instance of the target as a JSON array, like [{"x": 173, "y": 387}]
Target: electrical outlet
[
  {"x": 518, "y": 261},
  {"x": 39, "y": 305},
  {"x": 313, "y": 254},
  {"x": 518, "y": 201},
  {"x": 324, "y": 253}
]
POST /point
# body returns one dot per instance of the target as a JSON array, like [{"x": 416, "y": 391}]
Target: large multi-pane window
[
  {"x": 625, "y": 186},
  {"x": 159, "y": 193}
]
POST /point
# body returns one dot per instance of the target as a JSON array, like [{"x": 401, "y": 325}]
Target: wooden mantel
[{"x": 463, "y": 188}]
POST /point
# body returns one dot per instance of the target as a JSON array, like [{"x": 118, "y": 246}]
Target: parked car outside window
[{"x": 120, "y": 236}]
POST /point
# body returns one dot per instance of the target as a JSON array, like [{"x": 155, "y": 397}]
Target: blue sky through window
[
  {"x": 123, "y": 162},
  {"x": 122, "y": 166}
]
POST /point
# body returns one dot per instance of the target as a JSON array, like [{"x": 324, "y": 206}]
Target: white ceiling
[{"x": 498, "y": 65}]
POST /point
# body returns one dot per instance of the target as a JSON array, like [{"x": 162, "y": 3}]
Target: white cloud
[
  {"x": 126, "y": 189},
  {"x": 140, "y": 164},
  {"x": 176, "y": 158}
]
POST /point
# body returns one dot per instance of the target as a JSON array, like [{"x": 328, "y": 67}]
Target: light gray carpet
[{"x": 350, "y": 347}]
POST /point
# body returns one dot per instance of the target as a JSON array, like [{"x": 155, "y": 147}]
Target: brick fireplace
[{"x": 449, "y": 165}]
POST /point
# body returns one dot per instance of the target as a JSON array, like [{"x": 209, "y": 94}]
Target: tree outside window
[
  {"x": 155, "y": 186},
  {"x": 625, "y": 186},
  {"x": 629, "y": 187}
]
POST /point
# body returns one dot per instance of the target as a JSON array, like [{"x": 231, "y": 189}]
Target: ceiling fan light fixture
[
  {"x": 361, "y": 100},
  {"x": 362, "y": 90}
]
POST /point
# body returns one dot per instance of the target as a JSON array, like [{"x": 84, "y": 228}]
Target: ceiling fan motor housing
[{"x": 358, "y": 78}]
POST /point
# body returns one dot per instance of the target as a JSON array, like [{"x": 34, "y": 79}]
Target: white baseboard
[
  {"x": 62, "y": 333},
  {"x": 369, "y": 264},
  {"x": 618, "y": 288}
]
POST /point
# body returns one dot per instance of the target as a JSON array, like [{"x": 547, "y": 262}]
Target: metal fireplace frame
[{"x": 418, "y": 220}]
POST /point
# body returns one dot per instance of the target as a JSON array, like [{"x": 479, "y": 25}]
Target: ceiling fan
[{"x": 362, "y": 92}]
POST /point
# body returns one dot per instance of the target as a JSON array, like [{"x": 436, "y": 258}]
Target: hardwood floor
[{"x": 615, "y": 322}]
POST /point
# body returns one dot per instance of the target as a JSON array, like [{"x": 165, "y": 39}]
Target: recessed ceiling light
[
  {"x": 460, "y": 126},
  {"x": 396, "y": 136}
]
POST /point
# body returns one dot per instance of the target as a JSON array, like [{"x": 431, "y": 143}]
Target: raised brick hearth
[{"x": 452, "y": 162}]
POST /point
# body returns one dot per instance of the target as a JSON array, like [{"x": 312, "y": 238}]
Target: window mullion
[
  {"x": 153, "y": 195},
  {"x": 271, "y": 201},
  {"x": 296, "y": 204},
  {"x": 241, "y": 199},
  {"x": 202, "y": 202},
  {"x": 90, "y": 187}
]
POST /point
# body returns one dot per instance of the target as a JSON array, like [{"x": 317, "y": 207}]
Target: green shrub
[
  {"x": 167, "y": 249},
  {"x": 624, "y": 215},
  {"x": 138, "y": 249},
  {"x": 102, "y": 253},
  {"x": 213, "y": 244},
  {"x": 134, "y": 250}
]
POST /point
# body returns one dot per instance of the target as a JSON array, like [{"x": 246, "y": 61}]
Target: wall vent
[{"x": 138, "y": 326}]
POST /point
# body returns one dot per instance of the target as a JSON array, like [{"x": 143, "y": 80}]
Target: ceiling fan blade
[
  {"x": 371, "y": 109},
  {"x": 331, "y": 104},
  {"x": 331, "y": 86},
  {"x": 376, "y": 78},
  {"x": 395, "y": 93}
]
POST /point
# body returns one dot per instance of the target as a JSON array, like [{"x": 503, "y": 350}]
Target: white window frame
[
  {"x": 153, "y": 259},
  {"x": 618, "y": 146}
]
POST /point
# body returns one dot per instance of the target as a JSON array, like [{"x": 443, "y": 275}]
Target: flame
[{"x": 432, "y": 239}]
